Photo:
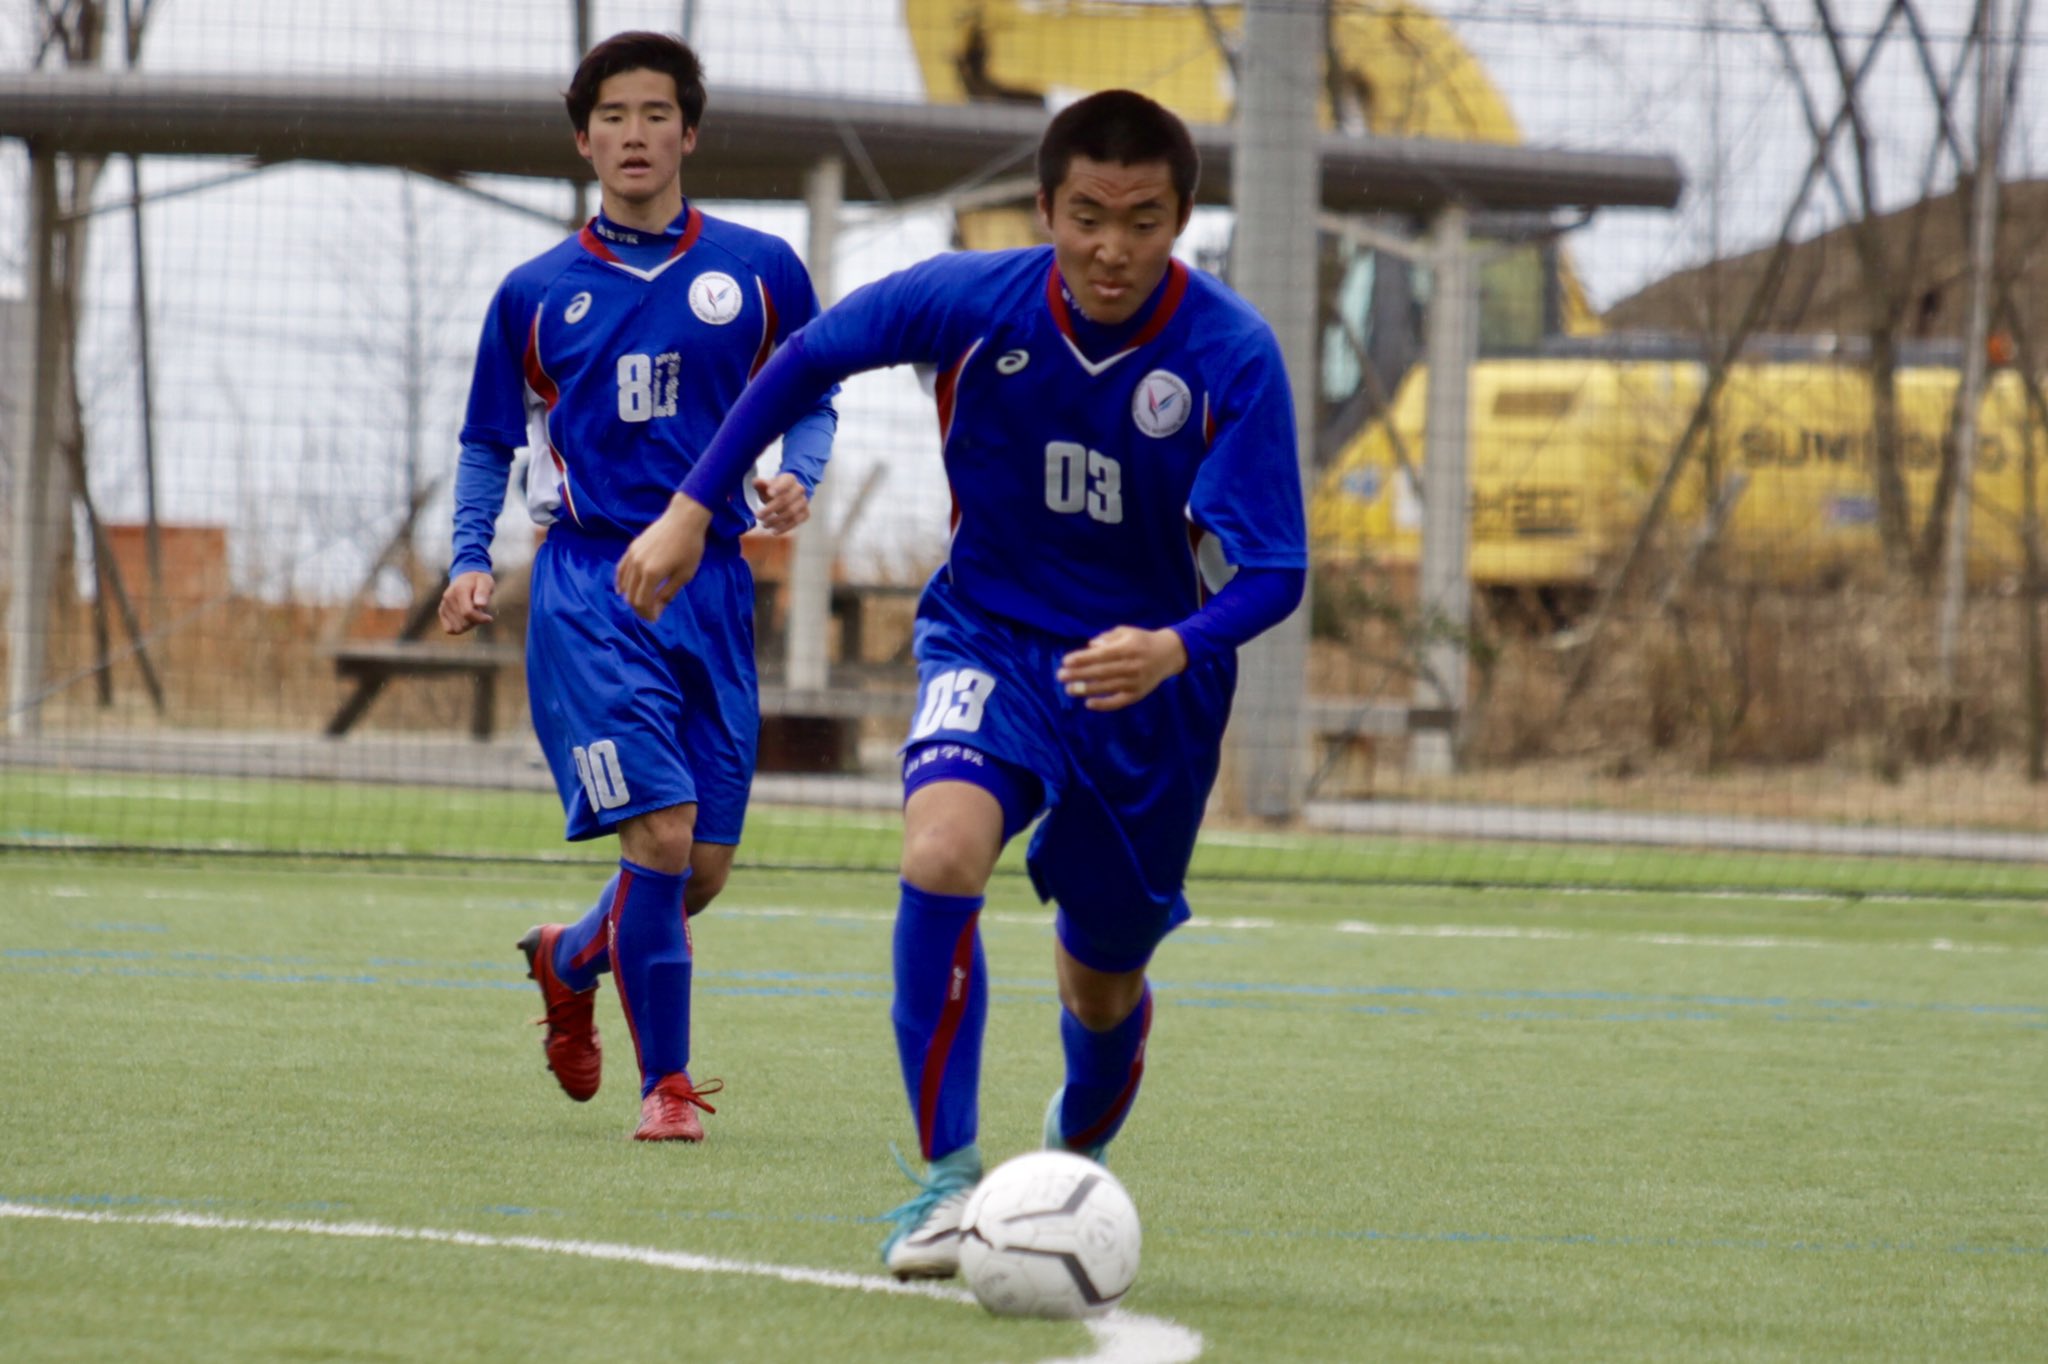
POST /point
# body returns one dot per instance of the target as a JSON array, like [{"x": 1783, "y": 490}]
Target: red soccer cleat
[
  {"x": 573, "y": 1051},
  {"x": 668, "y": 1113}
]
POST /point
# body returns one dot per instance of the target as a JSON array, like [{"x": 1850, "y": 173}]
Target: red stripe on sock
[
  {"x": 611, "y": 925},
  {"x": 598, "y": 943},
  {"x": 959, "y": 985},
  {"x": 1107, "y": 1121},
  {"x": 690, "y": 956}
]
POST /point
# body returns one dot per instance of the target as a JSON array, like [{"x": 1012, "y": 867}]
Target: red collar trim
[
  {"x": 693, "y": 227},
  {"x": 1162, "y": 313}
]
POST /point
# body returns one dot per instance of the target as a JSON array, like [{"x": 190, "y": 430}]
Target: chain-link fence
[{"x": 1753, "y": 483}]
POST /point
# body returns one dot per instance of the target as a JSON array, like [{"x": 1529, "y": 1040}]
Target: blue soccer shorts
[
  {"x": 633, "y": 716},
  {"x": 1124, "y": 791}
]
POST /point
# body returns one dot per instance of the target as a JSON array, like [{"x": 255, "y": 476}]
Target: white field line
[
  {"x": 1752, "y": 942},
  {"x": 1497, "y": 932},
  {"x": 1500, "y": 932},
  {"x": 1120, "y": 1337}
]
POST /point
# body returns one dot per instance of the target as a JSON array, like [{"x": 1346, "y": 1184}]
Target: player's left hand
[
  {"x": 663, "y": 558},
  {"x": 784, "y": 503},
  {"x": 1122, "y": 667}
]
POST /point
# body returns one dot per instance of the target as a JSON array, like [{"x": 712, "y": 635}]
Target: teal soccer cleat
[{"x": 926, "y": 1241}]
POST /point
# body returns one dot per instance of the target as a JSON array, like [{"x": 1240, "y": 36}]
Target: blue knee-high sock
[
  {"x": 940, "y": 1011},
  {"x": 650, "y": 950},
  {"x": 583, "y": 951},
  {"x": 1103, "y": 1072}
]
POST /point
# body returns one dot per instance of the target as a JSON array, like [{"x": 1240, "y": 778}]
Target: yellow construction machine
[{"x": 1570, "y": 429}]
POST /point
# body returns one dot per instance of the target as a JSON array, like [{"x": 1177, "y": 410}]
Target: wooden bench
[{"x": 372, "y": 663}]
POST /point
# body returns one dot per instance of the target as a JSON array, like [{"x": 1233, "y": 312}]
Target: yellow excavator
[
  {"x": 1570, "y": 429},
  {"x": 1392, "y": 69},
  {"x": 1565, "y": 453},
  {"x": 1395, "y": 69}
]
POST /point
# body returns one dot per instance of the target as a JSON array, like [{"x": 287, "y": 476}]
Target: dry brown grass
[
  {"x": 242, "y": 664},
  {"x": 1768, "y": 704},
  {"x": 1729, "y": 699}
]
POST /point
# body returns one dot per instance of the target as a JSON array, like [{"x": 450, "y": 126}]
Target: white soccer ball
[{"x": 1050, "y": 1234}]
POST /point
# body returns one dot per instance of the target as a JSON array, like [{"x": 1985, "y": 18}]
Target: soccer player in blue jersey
[
  {"x": 635, "y": 336},
  {"x": 1104, "y": 411}
]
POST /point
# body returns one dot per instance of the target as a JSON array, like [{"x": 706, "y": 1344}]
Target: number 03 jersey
[
  {"x": 631, "y": 365},
  {"x": 1083, "y": 485}
]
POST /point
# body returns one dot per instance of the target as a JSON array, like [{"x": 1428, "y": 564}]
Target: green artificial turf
[
  {"x": 1379, "y": 1123},
  {"x": 119, "y": 811}
]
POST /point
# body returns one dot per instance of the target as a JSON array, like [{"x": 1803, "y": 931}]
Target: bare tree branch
[
  {"x": 1807, "y": 108},
  {"x": 1927, "y": 550},
  {"x": 1934, "y": 530},
  {"x": 1766, "y": 289},
  {"x": 1219, "y": 37},
  {"x": 1880, "y": 287}
]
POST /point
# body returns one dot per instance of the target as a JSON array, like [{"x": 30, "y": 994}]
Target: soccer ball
[{"x": 1050, "y": 1234}]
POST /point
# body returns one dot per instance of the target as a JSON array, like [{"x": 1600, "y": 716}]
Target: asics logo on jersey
[
  {"x": 578, "y": 306},
  {"x": 1161, "y": 404},
  {"x": 715, "y": 297},
  {"x": 1012, "y": 361}
]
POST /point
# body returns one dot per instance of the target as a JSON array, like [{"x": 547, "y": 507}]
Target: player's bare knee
[
  {"x": 942, "y": 859},
  {"x": 1099, "y": 1000},
  {"x": 1100, "y": 1010},
  {"x": 660, "y": 840},
  {"x": 705, "y": 884}
]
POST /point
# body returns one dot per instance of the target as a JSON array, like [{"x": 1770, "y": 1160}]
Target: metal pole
[
  {"x": 131, "y": 47},
  {"x": 807, "y": 631},
  {"x": 415, "y": 380},
  {"x": 1445, "y": 590},
  {"x": 152, "y": 519},
  {"x": 580, "y": 25},
  {"x": 35, "y": 447},
  {"x": 1277, "y": 186},
  {"x": 1983, "y": 239}
]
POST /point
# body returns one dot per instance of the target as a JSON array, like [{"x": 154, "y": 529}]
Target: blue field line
[
  {"x": 1204, "y": 994},
  {"x": 1439, "y": 992},
  {"x": 108, "y": 1200},
  {"x": 338, "y": 978},
  {"x": 1363, "y": 1236},
  {"x": 147, "y": 954},
  {"x": 1488, "y": 1238}
]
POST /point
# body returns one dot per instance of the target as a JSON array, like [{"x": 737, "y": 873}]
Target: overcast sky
[{"x": 289, "y": 306}]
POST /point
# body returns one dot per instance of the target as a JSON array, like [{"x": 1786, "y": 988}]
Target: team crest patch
[
  {"x": 715, "y": 297},
  {"x": 1162, "y": 404}
]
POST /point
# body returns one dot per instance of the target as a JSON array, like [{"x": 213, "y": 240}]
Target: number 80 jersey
[
  {"x": 631, "y": 367},
  {"x": 1083, "y": 485}
]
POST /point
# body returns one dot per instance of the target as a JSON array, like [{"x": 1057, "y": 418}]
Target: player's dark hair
[
  {"x": 1124, "y": 128},
  {"x": 638, "y": 51}
]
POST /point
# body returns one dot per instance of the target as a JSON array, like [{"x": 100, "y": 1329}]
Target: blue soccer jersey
[
  {"x": 1082, "y": 485},
  {"x": 634, "y": 364}
]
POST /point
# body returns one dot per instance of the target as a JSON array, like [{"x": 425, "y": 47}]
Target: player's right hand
[
  {"x": 467, "y": 602},
  {"x": 784, "y": 503},
  {"x": 663, "y": 558},
  {"x": 1122, "y": 667}
]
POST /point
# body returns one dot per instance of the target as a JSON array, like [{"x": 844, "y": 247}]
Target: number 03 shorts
[
  {"x": 1124, "y": 790},
  {"x": 635, "y": 716}
]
